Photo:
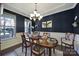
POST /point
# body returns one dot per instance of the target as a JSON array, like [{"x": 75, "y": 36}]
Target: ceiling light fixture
[
  {"x": 75, "y": 22},
  {"x": 35, "y": 16}
]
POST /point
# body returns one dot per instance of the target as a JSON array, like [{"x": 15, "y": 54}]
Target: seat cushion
[
  {"x": 70, "y": 36},
  {"x": 38, "y": 50},
  {"x": 35, "y": 52},
  {"x": 67, "y": 41}
]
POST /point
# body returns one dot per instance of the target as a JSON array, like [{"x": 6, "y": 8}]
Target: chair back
[
  {"x": 45, "y": 35},
  {"x": 23, "y": 39},
  {"x": 70, "y": 36}
]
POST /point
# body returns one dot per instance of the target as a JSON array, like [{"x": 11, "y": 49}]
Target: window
[
  {"x": 7, "y": 26},
  {"x": 28, "y": 26}
]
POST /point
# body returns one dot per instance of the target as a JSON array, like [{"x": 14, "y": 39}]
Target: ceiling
[{"x": 43, "y": 8}]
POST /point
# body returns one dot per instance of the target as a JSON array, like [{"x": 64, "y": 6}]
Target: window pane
[
  {"x": 9, "y": 22},
  {"x": 1, "y": 32},
  {"x": 28, "y": 26},
  {"x": 1, "y": 21}
]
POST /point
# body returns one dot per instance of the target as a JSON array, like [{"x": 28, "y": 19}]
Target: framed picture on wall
[
  {"x": 43, "y": 24},
  {"x": 49, "y": 24}
]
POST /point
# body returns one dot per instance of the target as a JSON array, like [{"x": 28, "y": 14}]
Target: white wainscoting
[
  {"x": 76, "y": 43},
  {"x": 55, "y": 35}
]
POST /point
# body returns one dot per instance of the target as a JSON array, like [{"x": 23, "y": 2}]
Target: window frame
[{"x": 9, "y": 15}]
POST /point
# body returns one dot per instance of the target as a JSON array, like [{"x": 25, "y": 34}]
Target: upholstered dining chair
[
  {"x": 45, "y": 37},
  {"x": 36, "y": 49},
  {"x": 68, "y": 41},
  {"x": 25, "y": 43}
]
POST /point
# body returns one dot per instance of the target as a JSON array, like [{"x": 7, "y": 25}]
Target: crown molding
[{"x": 60, "y": 8}]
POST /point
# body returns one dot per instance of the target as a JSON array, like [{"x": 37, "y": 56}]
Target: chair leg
[
  {"x": 47, "y": 50},
  {"x": 31, "y": 51},
  {"x": 73, "y": 47},
  {"x": 26, "y": 51},
  {"x": 54, "y": 50},
  {"x": 44, "y": 52},
  {"x": 70, "y": 48},
  {"x": 22, "y": 47},
  {"x": 61, "y": 45},
  {"x": 0, "y": 53},
  {"x": 65, "y": 48}
]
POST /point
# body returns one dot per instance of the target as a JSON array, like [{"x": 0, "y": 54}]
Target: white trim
[{"x": 1, "y": 8}]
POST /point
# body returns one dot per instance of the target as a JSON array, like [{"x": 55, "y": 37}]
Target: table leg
[
  {"x": 54, "y": 50},
  {"x": 50, "y": 51}
]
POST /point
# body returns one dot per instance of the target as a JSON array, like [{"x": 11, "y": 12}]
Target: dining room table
[{"x": 49, "y": 43}]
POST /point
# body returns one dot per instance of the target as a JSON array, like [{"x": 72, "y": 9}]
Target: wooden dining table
[{"x": 51, "y": 43}]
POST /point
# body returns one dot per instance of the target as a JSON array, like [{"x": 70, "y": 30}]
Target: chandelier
[{"x": 35, "y": 16}]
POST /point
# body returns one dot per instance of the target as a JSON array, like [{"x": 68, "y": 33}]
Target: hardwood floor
[
  {"x": 18, "y": 52},
  {"x": 67, "y": 51}
]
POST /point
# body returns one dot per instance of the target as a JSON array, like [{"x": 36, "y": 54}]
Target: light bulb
[
  {"x": 34, "y": 19},
  {"x": 75, "y": 17},
  {"x": 37, "y": 15},
  {"x": 40, "y": 18},
  {"x": 31, "y": 15}
]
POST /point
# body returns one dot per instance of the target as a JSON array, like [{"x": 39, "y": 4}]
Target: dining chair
[
  {"x": 25, "y": 43},
  {"x": 45, "y": 38},
  {"x": 68, "y": 41},
  {"x": 36, "y": 49}
]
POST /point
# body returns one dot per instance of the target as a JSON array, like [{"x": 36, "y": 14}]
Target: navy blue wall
[
  {"x": 19, "y": 21},
  {"x": 62, "y": 22}
]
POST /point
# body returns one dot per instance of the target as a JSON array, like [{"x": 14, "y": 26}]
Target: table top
[{"x": 49, "y": 43}]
